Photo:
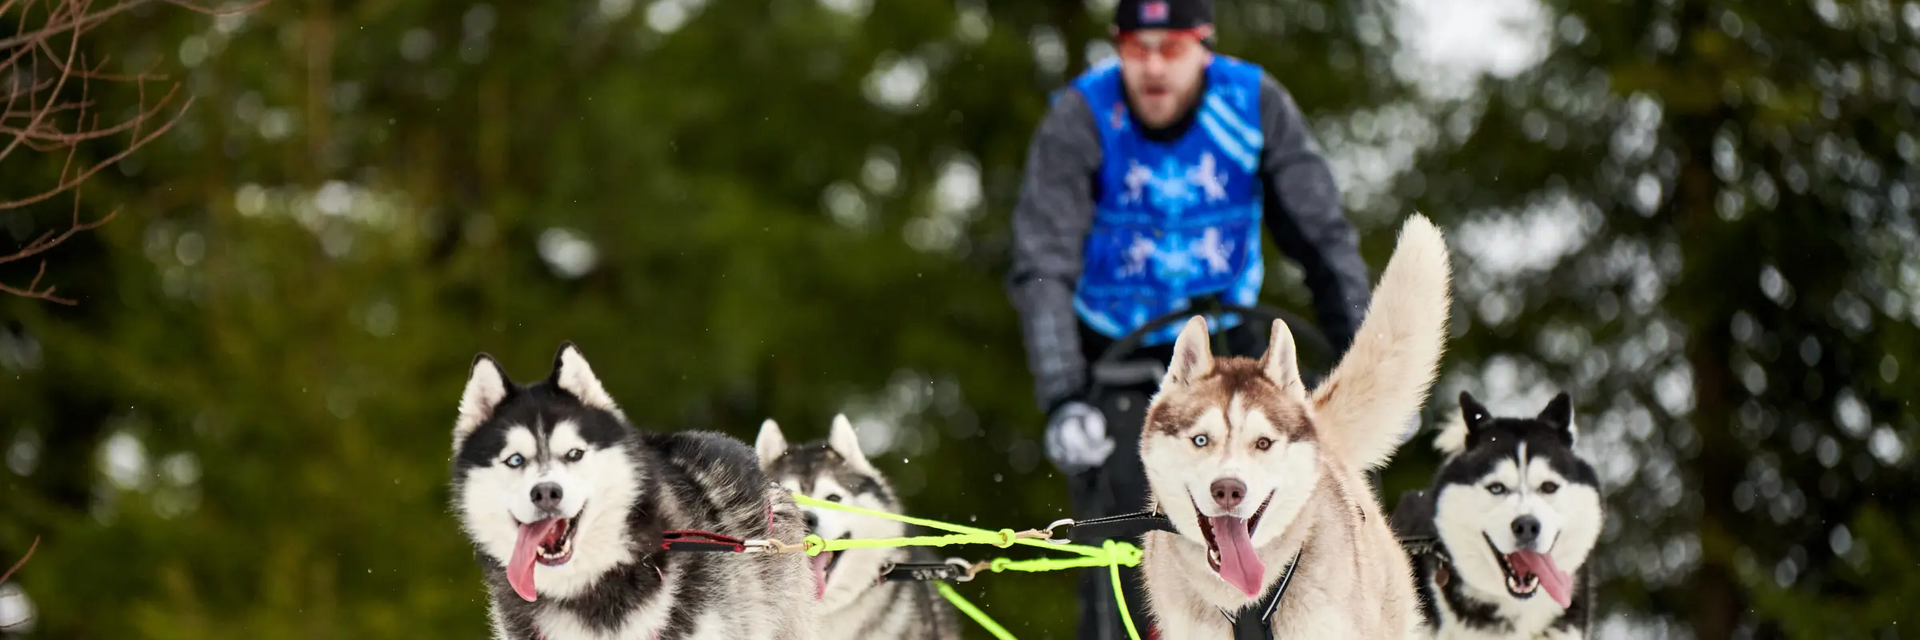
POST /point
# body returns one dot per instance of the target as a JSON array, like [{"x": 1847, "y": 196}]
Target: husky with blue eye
[
  {"x": 1276, "y": 532},
  {"x": 1514, "y": 514},
  {"x": 566, "y": 505}
]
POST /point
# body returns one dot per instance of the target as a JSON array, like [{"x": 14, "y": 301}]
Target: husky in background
[
  {"x": 1513, "y": 513},
  {"x": 565, "y": 504},
  {"x": 856, "y": 605},
  {"x": 1262, "y": 479}
]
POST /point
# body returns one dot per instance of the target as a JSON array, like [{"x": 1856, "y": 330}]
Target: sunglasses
[{"x": 1174, "y": 44}]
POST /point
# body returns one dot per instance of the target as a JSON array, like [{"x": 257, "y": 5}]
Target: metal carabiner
[{"x": 1063, "y": 522}]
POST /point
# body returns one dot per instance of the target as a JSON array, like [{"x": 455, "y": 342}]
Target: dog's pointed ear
[
  {"x": 1192, "y": 355},
  {"x": 1281, "y": 362},
  {"x": 487, "y": 387},
  {"x": 1559, "y": 415},
  {"x": 771, "y": 444},
  {"x": 572, "y": 374},
  {"x": 845, "y": 442},
  {"x": 1473, "y": 412}
]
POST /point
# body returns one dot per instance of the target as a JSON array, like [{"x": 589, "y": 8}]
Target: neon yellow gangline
[
  {"x": 816, "y": 545},
  {"x": 1112, "y": 554},
  {"x": 1120, "y": 596},
  {"x": 825, "y": 545},
  {"x": 972, "y": 611}
]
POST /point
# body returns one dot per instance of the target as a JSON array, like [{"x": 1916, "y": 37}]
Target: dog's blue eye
[
  {"x": 1496, "y": 488},
  {"x": 514, "y": 461},
  {"x": 1200, "y": 441}
]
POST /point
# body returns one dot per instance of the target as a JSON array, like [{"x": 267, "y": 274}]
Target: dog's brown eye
[
  {"x": 1549, "y": 487},
  {"x": 575, "y": 455},
  {"x": 1263, "y": 444},
  {"x": 833, "y": 497}
]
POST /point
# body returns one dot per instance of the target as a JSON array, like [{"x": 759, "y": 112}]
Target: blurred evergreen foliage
[{"x": 1696, "y": 217}]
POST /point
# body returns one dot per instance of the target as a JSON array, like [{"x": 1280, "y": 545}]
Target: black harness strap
[
  {"x": 1260, "y": 627},
  {"x": 1417, "y": 546},
  {"x": 1097, "y": 530}
]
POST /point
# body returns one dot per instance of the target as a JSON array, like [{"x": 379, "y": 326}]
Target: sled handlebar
[{"x": 1112, "y": 367}]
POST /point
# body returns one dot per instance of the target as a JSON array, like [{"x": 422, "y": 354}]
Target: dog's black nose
[
  {"x": 546, "y": 496},
  {"x": 813, "y": 521},
  {"x": 1227, "y": 492},
  {"x": 1526, "y": 529}
]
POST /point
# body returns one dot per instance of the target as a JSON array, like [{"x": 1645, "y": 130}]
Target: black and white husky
[
  {"x": 857, "y": 604},
  {"x": 1513, "y": 512},
  {"x": 566, "y": 505}
]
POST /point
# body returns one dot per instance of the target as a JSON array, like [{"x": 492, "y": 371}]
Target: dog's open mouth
[
  {"x": 1527, "y": 571},
  {"x": 827, "y": 560},
  {"x": 557, "y": 547},
  {"x": 1230, "y": 549},
  {"x": 548, "y": 542}
]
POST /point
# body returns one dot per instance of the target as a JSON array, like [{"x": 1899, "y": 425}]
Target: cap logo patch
[{"x": 1154, "y": 12}]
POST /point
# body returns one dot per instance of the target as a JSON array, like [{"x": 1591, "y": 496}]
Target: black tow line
[{"x": 1093, "y": 531}]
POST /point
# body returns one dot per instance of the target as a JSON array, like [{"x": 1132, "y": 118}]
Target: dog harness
[
  {"x": 1173, "y": 219},
  {"x": 1260, "y": 627},
  {"x": 694, "y": 540},
  {"x": 1254, "y": 622}
]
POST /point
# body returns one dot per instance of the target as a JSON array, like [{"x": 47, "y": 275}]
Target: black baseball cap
[{"x": 1133, "y": 15}]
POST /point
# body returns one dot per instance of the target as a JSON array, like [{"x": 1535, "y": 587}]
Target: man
[{"x": 1146, "y": 188}]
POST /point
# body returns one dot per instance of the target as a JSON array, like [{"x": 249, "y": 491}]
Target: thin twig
[
  {"x": 140, "y": 142},
  {"x": 23, "y": 559},
  {"x": 40, "y": 116}
]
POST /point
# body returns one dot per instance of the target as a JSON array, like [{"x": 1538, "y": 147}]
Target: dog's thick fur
[
  {"x": 528, "y": 456},
  {"x": 1301, "y": 458},
  {"x": 1467, "y": 590},
  {"x": 857, "y": 605}
]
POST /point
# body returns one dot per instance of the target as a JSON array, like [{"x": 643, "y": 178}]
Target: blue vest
[{"x": 1173, "y": 220}]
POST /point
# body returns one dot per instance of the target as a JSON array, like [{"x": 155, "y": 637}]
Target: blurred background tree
[{"x": 1694, "y": 216}]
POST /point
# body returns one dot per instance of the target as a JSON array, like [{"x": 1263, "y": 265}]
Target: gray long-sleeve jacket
[{"x": 1055, "y": 213}]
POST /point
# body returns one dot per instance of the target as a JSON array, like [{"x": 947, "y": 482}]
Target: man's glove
[{"x": 1077, "y": 437}]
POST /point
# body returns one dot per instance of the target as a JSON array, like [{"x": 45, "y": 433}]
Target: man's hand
[{"x": 1077, "y": 437}]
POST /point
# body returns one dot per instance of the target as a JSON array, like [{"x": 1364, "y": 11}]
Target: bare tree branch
[
  {"x": 21, "y": 563},
  {"x": 23, "y": 560},
  {"x": 41, "y": 65}
]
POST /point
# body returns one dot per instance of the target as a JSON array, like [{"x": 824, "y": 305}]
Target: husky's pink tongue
[
  {"x": 1239, "y": 565},
  {"x": 819, "y": 565},
  {"x": 1555, "y": 581},
  {"x": 520, "y": 566}
]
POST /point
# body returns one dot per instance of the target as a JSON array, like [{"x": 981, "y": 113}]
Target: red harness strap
[{"x": 696, "y": 540}]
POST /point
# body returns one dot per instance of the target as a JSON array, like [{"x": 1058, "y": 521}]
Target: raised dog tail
[{"x": 1384, "y": 378}]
